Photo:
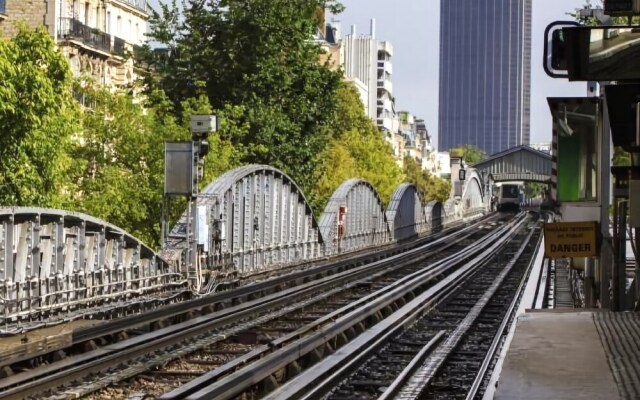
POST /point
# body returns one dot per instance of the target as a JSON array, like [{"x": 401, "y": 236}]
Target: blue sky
[{"x": 412, "y": 26}]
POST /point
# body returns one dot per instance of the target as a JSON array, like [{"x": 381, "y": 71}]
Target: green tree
[
  {"x": 430, "y": 187},
  {"x": 37, "y": 120},
  {"x": 471, "y": 153},
  {"x": 357, "y": 150},
  {"x": 258, "y": 56},
  {"x": 119, "y": 163},
  {"x": 534, "y": 189}
]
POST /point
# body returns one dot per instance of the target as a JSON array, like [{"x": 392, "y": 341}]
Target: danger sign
[{"x": 570, "y": 239}]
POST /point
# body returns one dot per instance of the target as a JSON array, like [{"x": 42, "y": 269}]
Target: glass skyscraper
[{"x": 485, "y": 73}]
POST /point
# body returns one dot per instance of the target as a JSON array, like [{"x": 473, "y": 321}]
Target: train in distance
[{"x": 509, "y": 197}]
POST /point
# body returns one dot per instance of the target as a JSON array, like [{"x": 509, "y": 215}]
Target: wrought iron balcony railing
[
  {"x": 118, "y": 46},
  {"x": 72, "y": 29}
]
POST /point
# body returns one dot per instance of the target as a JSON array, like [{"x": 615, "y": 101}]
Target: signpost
[{"x": 570, "y": 239}]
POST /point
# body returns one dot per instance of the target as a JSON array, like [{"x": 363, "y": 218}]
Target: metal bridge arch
[
  {"x": 365, "y": 220},
  {"x": 253, "y": 217},
  {"x": 405, "y": 213},
  {"x": 435, "y": 215},
  {"x": 55, "y": 261},
  {"x": 521, "y": 163},
  {"x": 474, "y": 199}
]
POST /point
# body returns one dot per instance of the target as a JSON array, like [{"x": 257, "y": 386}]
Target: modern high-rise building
[
  {"x": 369, "y": 60},
  {"x": 485, "y": 73}
]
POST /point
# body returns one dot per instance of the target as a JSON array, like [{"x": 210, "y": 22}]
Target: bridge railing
[{"x": 58, "y": 263}]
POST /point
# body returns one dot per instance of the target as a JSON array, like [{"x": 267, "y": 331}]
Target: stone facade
[{"x": 33, "y": 12}]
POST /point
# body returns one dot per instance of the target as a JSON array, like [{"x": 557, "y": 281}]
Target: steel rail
[
  {"x": 413, "y": 366},
  {"x": 83, "y": 334},
  {"x": 477, "y": 382},
  {"x": 316, "y": 382},
  {"x": 232, "y": 385},
  {"x": 260, "y": 351},
  {"x": 420, "y": 380},
  {"x": 89, "y": 333},
  {"x": 95, "y": 361}
]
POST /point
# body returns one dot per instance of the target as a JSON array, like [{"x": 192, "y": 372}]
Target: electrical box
[
  {"x": 203, "y": 124},
  {"x": 178, "y": 169},
  {"x": 634, "y": 203}
]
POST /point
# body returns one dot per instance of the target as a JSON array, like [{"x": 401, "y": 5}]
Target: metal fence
[{"x": 73, "y": 29}]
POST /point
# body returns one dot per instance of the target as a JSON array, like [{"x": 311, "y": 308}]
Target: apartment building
[
  {"x": 369, "y": 60},
  {"x": 95, "y": 35}
]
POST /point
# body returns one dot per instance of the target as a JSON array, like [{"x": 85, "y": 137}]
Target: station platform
[{"x": 571, "y": 354}]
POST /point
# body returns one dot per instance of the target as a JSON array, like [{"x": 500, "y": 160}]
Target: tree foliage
[
  {"x": 256, "y": 56},
  {"x": 251, "y": 63},
  {"x": 430, "y": 187},
  {"x": 534, "y": 189},
  {"x": 119, "y": 161},
  {"x": 357, "y": 150},
  {"x": 37, "y": 119},
  {"x": 471, "y": 153}
]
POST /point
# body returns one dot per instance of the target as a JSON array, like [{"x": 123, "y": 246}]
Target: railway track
[
  {"x": 347, "y": 339},
  {"x": 52, "y": 343},
  {"x": 85, "y": 373},
  {"x": 446, "y": 354}
]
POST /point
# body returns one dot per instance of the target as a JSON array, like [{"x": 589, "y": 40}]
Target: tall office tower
[{"x": 485, "y": 73}]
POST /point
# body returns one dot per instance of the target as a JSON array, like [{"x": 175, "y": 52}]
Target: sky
[{"x": 412, "y": 27}]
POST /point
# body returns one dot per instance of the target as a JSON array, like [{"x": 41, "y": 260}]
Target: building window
[
  {"x": 86, "y": 13},
  {"x": 118, "y": 26}
]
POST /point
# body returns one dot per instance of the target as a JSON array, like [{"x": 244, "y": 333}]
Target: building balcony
[
  {"x": 385, "y": 66},
  {"x": 384, "y": 84},
  {"x": 385, "y": 123},
  {"x": 384, "y": 104},
  {"x": 73, "y": 29},
  {"x": 386, "y": 47}
]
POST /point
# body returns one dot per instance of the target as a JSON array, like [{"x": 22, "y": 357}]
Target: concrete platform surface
[{"x": 573, "y": 355}]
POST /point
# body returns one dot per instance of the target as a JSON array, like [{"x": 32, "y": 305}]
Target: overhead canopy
[{"x": 521, "y": 163}]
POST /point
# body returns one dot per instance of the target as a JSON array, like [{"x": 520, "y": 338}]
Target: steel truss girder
[
  {"x": 474, "y": 200},
  {"x": 435, "y": 215},
  {"x": 53, "y": 260},
  {"x": 365, "y": 222},
  {"x": 406, "y": 214},
  {"x": 257, "y": 218}
]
